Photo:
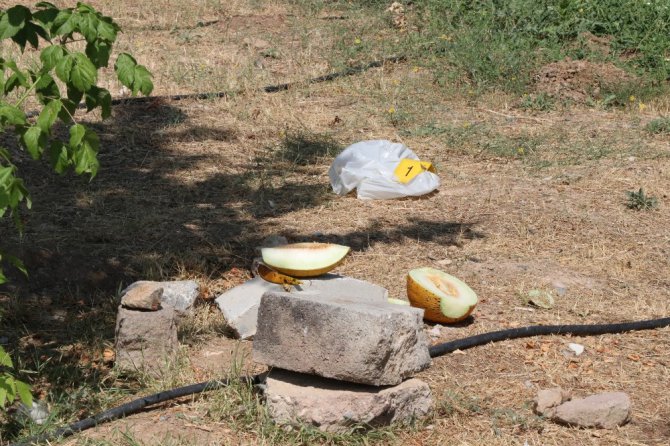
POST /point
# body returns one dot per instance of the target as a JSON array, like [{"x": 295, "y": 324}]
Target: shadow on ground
[{"x": 142, "y": 217}]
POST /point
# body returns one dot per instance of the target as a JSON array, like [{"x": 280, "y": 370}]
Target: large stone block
[
  {"x": 239, "y": 305},
  {"x": 343, "y": 338},
  {"x": 336, "y": 406},
  {"x": 146, "y": 340}
]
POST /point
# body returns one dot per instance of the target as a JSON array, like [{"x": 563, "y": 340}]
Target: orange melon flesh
[
  {"x": 304, "y": 259},
  {"x": 444, "y": 298}
]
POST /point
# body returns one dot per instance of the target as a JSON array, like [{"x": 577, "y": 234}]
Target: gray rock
[
  {"x": 146, "y": 341},
  {"x": 343, "y": 338},
  {"x": 143, "y": 296},
  {"x": 604, "y": 410},
  {"x": 239, "y": 305},
  {"x": 547, "y": 400},
  {"x": 179, "y": 294},
  {"x": 336, "y": 406},
  {"x": 38, "y": 413}
]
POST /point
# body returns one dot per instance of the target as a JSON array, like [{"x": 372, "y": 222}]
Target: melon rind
[
  {"x": 304, "y": 259},
  {"x": 394, "y": 301},
  {"x": 438, "y": 306}
]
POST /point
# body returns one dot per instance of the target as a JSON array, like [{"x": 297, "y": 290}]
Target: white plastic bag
[{"x": 369, "y": 167}]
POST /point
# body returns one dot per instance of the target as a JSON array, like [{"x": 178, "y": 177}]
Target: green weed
[
  {"x": 537, "y": 102},
  {"x": 659, "y": 125},
  {"x": 640, "y": 201}
]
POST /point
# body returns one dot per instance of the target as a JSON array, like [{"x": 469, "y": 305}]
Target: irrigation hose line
[
  {"x": 435, "y": 351},
  {"x": 267, "y": 89}
]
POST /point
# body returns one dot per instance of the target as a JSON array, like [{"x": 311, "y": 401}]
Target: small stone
[
  {"x": 179, "y": 294},
  {"x": 336, "y": 406},
  {"x": 143, "y": 296},
  {"x": 560, "y": 288},
  {"x": 435, "y": 332},
  {"x": 345, "y": 338},
  {"x": 547, "y": 400},
  {"x": 604, "y": 410},
  {"x": 146, "y": 340},
  {"x": 578, "y": 349},
  {"x": 38, "y": 413}
]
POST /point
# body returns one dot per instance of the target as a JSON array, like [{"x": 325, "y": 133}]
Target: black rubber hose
[
  {"x": 543, "y": 330},
  {"x": 133, "y": 407},
  {"x": 269, "y": 88},
  {"x": 435, "y": 351}
]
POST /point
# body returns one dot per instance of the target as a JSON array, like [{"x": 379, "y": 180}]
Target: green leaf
[
  {"x": 84, "y": 73},
  {"x": 11, "y": 115},
  {"x": 84, "y": 145},
  {"x": 34, "y": 141},
  {"x": 19, "y": 78},
  {"x": 134, "y": 76},
  {"x": 125, "y": 69},
  {"x": 68, "y": 110},
  {"x": 29, "y": 34},
  {"x": 13, "y": 20},
  {"x": 77, "y": 133},
  {"x": 8, "y": 384},
  {"x": 88, "y": 26},
  {"x": 6, "y": 174},
  {"x": 99, "y": 52},
  {"x": 99, "y": 97},
  {"x": 107, "y": 29},
  {"x": 23, "y": 390},
  {"x": 46, "y": 89},
  {"x": 58, "y": 156},
  {"x": 51, "y": 55},
  {"x": 5, "y": 359},
  {"x": 16, "y": 263},
  {"x": 142, "y": 81},
  {"x": 46, "y": 16},
  {"x": 17, "y": 192},
  {"x": 48, "y": 115},
  {"x": 64, "y": 68},
  {"x": 3, "y": 391},
  {"x": 64, "y": 23}
]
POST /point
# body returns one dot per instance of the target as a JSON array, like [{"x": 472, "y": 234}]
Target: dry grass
[{"x": 188, "y": 189}]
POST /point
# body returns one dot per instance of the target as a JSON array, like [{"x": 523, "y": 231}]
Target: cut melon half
[
  {"x": 304, "y": 259},
  {"x": 444, "y": 298}
]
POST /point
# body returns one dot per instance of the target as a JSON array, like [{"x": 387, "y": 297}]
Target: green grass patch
[
  {"x": 499, "y": 44},
  {"x": 659, "y": 126}
]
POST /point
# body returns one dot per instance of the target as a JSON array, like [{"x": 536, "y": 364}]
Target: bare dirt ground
[{"x": 187, "y": 189}]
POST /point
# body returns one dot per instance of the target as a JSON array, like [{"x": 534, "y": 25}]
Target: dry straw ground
[{"x": 187, "y": 189}]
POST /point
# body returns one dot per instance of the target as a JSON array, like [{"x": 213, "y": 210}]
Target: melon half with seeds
[
  {"x": 304, "y": 259},
  {"x": 444, "y": 298}
]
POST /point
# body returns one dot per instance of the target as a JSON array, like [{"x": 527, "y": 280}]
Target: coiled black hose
[{"x": 435, "y": 351}]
